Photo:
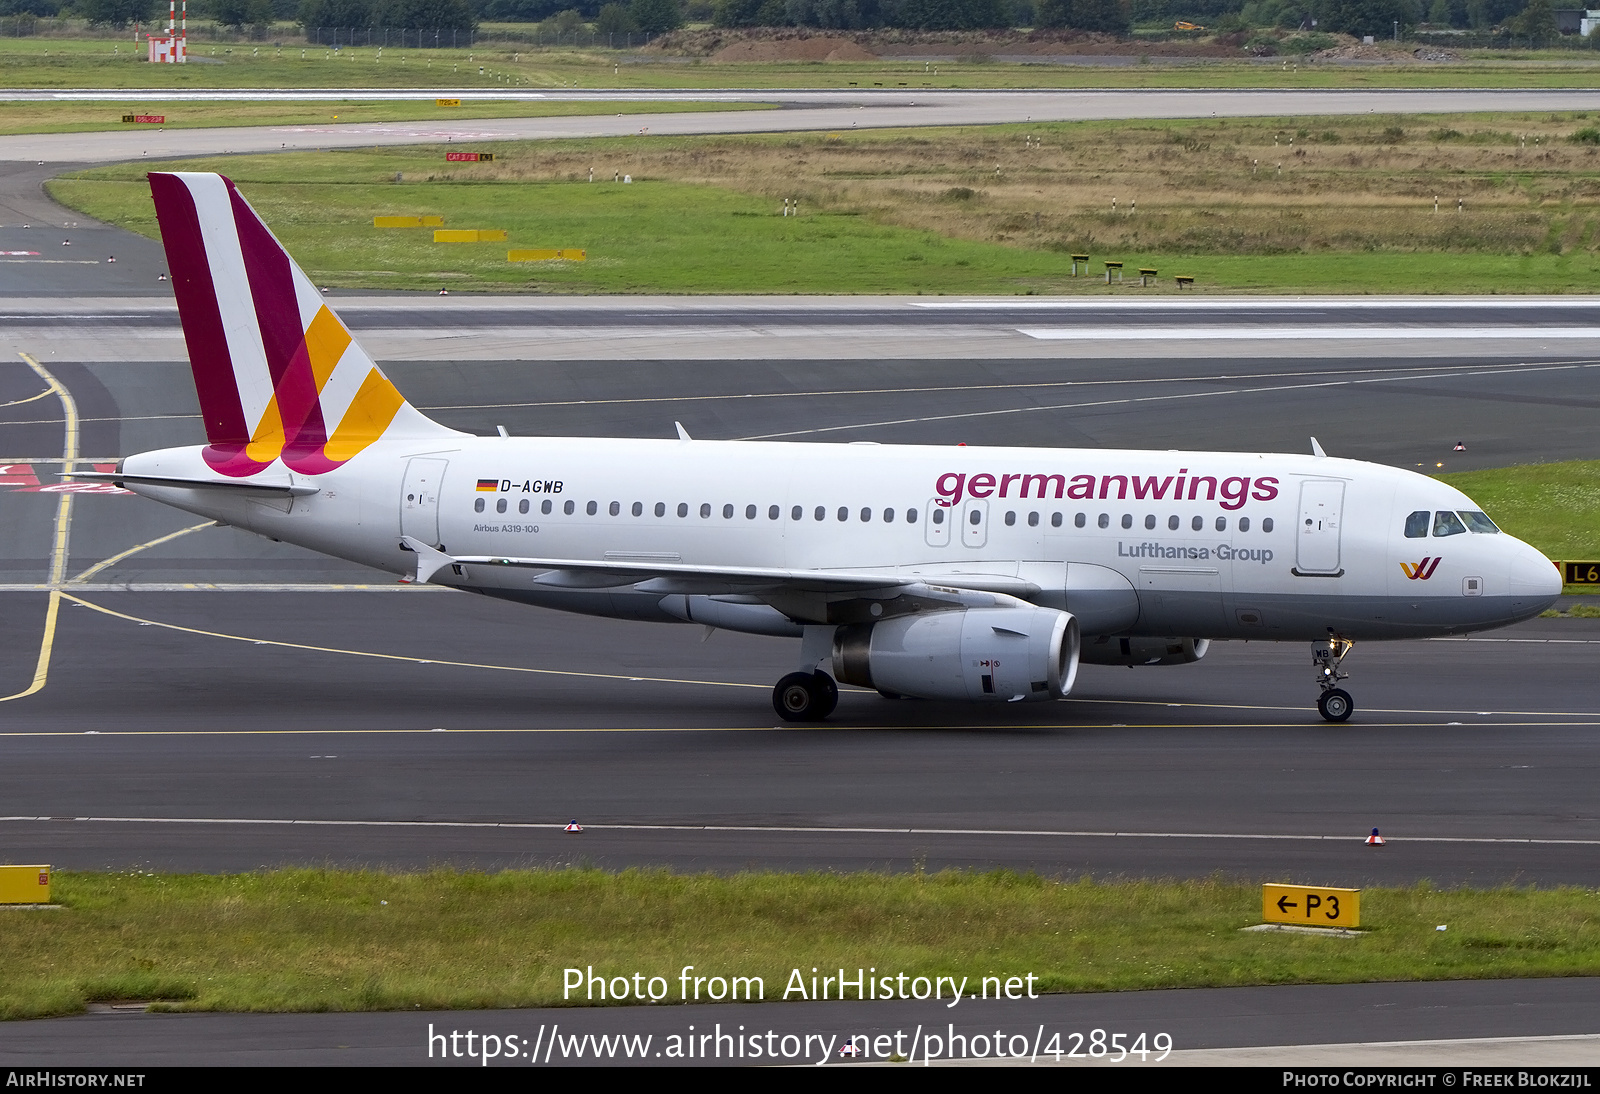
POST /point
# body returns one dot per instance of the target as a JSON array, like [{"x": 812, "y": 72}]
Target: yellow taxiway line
[{"x": 63, "y": 531}]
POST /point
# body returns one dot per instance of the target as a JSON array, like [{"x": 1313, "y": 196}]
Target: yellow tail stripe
[
  {"x": 326, "y": 341},
  {"x": 266, "y": 443},
  {"x": 370, "y": 413}
]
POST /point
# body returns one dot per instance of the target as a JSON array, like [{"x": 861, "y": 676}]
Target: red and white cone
[
  {"x": 573, "y": 826},
  {"x": 1374, "y": 840}
]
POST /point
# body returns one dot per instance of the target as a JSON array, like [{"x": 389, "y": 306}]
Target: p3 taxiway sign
[{"x": 1311, "y": 905}]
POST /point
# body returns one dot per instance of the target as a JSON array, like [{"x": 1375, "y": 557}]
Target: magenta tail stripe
[
  {"x": 272, "y": 288},
  {"x": 197, "y": 305}
]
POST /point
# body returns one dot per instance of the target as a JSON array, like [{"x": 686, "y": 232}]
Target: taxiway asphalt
[{"x": 1462, "y": 1024}]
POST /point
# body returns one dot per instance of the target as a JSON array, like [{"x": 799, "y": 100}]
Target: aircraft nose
[{"x": 1534, "y": 577}]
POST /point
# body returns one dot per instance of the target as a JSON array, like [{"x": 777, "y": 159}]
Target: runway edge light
[
  {"x": 1311, "y": 905},
  {"x": 1374, "y": 840},
  {"x": 24, "y": 884},
  {"x": 573, "y": 826}
]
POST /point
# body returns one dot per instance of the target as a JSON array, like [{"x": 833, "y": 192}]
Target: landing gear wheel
[
  {"x": 827, "y": 694},
  {"x": 805, "y": 696},
  {"x": 1336, "y": 705}
]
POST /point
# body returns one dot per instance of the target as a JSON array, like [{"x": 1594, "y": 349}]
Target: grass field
[
  {"x": 312, "y": 940},
  {"x": 89, "y": 63},
  {"x": 990, "y": 210},
  {"x": 85, "y": 117}
]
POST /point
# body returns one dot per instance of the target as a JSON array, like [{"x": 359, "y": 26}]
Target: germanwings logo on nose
[{"x": 1420, "y": 571}]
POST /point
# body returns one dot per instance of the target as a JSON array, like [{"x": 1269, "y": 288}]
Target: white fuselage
[{"x": 1197, "y": 544}]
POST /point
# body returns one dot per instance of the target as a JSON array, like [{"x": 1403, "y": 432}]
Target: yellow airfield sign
[{"x": 1311, "y": 905}]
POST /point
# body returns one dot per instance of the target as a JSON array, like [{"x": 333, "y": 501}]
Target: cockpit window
[
  {"x": 1446, "y": 523},
  {"x": 1479, "y": 522},
  {"x": 1417, "y": 525}
]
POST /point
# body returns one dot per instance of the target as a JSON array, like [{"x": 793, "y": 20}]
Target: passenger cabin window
[
  {"x": 1105, "y": 520},
  {"x": 705, "y": 510},
  {"x": 727, "y": 511},
  {"x": 500, "y": 506},
  {"x": 866, "y": 515},
  {"x": 683, "y": 509},
  {"x": 615, "y": 508},
  {"x": 938, "y": 516},
  {"x": 796, "y": 513},
  {"x": 821, "y": 512},
  {"x": 569, "y": 507},
  {"x": 844, "y": 514},
  {"x": 1011, "y": 517},
  {"x": 888, "y": 516},
  {"x": 749, "y": 512},
  {"x": 638, "y": 509},
  {"x": 1417, "y": 525},
  {"x": 1479, "y": 522},
  {"x": 546, "y": 505},
  {"x": 522, "y": 506},
  {"x": 911, "y": 516},
  {"x": 1149, "y": 521},
  {"x": 1172, "y": 523},
  {"x": 772, "y": 512},
  {"x": 1266, "y": 524},
  {"x": 1244, "y": 525},
  {"x": 1198, "y": 524},
  {"x": 592, "y": 508},
  {"x": 477, "y": 505},
  {"x": 1446, "y": 523},
  {"x": 1033, "y": 520},
  {"x": 661, "y": 508}
]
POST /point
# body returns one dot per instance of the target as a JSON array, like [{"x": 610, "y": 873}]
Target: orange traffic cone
[
  {"x": 573, "y": 826},
  {"x": 1374, "y": 840}
]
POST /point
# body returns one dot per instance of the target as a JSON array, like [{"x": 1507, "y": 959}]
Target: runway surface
[{"x": 837, "y": 109}]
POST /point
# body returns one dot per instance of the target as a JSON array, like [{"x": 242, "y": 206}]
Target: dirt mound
[
  {"x": 799, "y": 44},
  {"x": 794, "y": 49},
  {"x": 1360, "y": 51},
  {"x": 1428, "y": 53}
]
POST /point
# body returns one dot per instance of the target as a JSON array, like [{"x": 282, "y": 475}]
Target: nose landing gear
[{"x": 1334, "y": 703}]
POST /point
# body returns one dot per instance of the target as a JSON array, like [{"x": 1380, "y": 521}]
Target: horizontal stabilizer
[{"x": 276, "y": 489}]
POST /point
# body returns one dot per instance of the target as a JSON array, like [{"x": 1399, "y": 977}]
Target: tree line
[{"x": 1524, "y": 18}]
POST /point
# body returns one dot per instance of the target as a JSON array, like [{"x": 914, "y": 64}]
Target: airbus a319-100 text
[{"x": 940, "y": 572}]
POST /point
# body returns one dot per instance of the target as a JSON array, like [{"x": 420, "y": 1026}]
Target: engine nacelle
[
  {"x": 1144, "y": 651},
  {"x": 996, "y": 654}
]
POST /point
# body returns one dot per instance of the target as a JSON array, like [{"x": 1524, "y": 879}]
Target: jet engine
[
  {"x": 1000, "y": 654},
  {"x": 1144, "y": 651}
]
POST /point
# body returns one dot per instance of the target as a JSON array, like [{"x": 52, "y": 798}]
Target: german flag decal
[{"x": 488, "y": 486}]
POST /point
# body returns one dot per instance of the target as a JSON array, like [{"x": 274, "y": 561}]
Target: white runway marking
[
  {"x": 1308, "y": 304},
  {"x": 821, "y": 830},
  {"x": 1250, "y": 333}
]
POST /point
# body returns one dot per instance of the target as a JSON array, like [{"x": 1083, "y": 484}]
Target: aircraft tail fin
[{"x": 278, "y": 374}]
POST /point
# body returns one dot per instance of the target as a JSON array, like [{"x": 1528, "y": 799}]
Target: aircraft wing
[{"x": 666, "y": 575}]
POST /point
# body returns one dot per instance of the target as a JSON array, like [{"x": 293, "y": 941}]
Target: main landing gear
[
  {"x": 810, "y": 694},
  {"x": 805, "y": 696},
  {"x": 1334, "y": 703}
]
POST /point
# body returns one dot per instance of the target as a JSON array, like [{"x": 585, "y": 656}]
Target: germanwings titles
[{"x": 939, "y": 572}]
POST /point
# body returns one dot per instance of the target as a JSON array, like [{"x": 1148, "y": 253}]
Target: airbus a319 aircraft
[{"x": 939, "y": 572}]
